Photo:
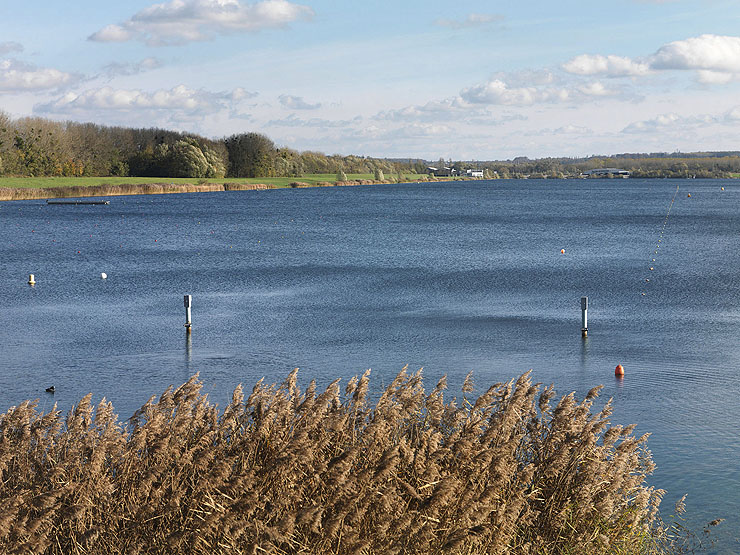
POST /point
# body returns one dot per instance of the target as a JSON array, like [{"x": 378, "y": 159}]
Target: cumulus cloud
[
  {"x": 472, "y": 20},
  {"x": 709, "y": 77},
  {"x": 497, "y": 91},
  {"x": 447, "y": 109},
  {"x": 181, "y": 21},
  {"x": 611, "y": 66},
  {"x": 179, "y": 100},
  {"x": 16, "y": 76},
  {"x": 706, "y": 52},
  {"x": 715, "y": 58},
  {"x": 112, "y": 33},
  {"x": 648, "y": 126},
  {"x": 671, "y": 120},
  {"x": 453, "y": 109},
  {"x": 8, "y": 47},
  {"x": 297, "y": 103},
  {"x": 681, "y": 124},
  {"x": 596, "y": 89},
  {"x": 239, "y": 94},
  {"x": 528, "y": 88}
]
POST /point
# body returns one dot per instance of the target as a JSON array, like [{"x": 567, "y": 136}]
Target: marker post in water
[
  {"x": 584, "y": 317},
  {"x": 188, "y": 304}
]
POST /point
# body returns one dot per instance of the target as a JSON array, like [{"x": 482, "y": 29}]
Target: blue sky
[{"x": 429, "y": 79}]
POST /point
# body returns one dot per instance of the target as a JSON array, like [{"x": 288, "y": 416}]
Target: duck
[{"x": 50, "y": 389}]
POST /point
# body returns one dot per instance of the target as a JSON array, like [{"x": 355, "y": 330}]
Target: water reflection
[
  {"x": 584, "y": 353},
  {"x": 188, "y": 349}
]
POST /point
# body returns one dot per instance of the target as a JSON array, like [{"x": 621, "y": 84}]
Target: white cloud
[
  {"x": 715, "y": 58},
  {"x": 181, "y": 21},
  {"x": 595, "y": 89},
  {"x": 648, "y": 126},
  {"x": 178, "y": 100},
  {"x": 706, "y": 52},
  {"x": 472, "y": 20},
  {"x": 447, "y": 109},
  {"x": 611, "y": 66},
  {"x": 709, "y": 77},
  {"x": 499, "y": 92},
  {"x": 453, "y": 109},
  {"x": 672, "y": 121},
  {"x": 297, "y": 103},
  {"x": 8, "y": 47},
  {"x": 112, "y": 33},
  {"x": 17, "y": 76},
  {"x": 242, "y": 94},
  {"x": 678, "y": 124}
]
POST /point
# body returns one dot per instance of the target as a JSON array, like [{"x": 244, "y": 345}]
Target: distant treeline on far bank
[{"x": 37, "y": 147}]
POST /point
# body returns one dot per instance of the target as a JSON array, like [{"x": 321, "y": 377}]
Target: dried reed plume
[
  {"x": 285, "y": 471},
  {"x": 13, "y": 193}
]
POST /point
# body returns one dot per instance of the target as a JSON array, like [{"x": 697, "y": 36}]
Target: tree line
[
  {"x": 36, "y": 147},
  {"x": 699, "y": 165}
]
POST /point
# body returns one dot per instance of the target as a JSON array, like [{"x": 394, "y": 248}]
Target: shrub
[{"x": 285, "y": 471}]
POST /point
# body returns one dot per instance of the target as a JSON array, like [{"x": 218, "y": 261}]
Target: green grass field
[{"x": 43, "y": 182}]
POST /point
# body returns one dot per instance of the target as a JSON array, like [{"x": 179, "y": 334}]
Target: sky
[{"x": 464, "y": 80}]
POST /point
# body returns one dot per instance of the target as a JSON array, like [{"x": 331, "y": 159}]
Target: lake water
[{"x": 451, "y": 277}]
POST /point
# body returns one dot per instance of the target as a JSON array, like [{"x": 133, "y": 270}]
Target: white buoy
[
  {"x": 584, "y": 317},
  {"x": 188, "y": 304},
  {"x": 31, "y": 279},
  {"x": 104, "y": 275}
]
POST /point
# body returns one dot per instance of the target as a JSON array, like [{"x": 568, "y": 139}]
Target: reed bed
[
  {"x": 289, "y": 471},
  {"x": 13, "y": 193}
]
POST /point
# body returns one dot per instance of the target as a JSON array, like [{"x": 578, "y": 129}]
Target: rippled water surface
[{"x": 451, "y": 276}]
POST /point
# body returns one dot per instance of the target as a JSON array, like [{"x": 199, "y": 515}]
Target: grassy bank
[
  {"x": 286, "y": 471},
  {"x": 49, "y": 182}
]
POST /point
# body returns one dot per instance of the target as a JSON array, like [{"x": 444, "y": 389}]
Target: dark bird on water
[{"x": 50, "y": 389}]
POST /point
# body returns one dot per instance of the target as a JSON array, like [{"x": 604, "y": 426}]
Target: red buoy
[{"x": 619, "y": 370}]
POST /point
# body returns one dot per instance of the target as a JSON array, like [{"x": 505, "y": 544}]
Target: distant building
[
  {"x": 443, "y": 172},
  {"x": 606, "y": 172},
  {"x": 474, "y": 173}
]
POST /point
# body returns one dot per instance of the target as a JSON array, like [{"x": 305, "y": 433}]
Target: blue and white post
[{"x": 188, "y": 305}]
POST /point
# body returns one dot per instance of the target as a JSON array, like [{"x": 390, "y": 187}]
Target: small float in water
[{"x": 77, "y": 202}]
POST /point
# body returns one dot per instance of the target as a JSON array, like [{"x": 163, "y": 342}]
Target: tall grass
[
  {"x": 7, "y": 193},
  {"x": 289, "y": 471}
]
